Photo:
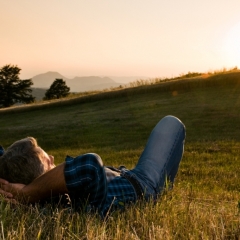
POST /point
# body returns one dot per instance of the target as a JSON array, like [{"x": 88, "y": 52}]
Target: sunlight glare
[{"x": 232, "y": 45}]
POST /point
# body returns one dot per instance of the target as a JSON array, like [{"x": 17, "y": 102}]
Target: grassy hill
[{"x": 205, "y": 201}]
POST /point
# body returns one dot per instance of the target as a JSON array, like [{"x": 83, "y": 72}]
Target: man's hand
[
  {"x": 10, "y": 190},
  {"x": 4, "y": 193}
]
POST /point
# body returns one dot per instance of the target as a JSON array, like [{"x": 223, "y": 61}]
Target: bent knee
[{"x": 172, "y": 120}]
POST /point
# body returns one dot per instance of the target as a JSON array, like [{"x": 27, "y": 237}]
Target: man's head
[{"x": 24, "y": 161}]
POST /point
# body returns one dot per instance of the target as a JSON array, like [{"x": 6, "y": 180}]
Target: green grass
[{"x": 116, "y": 125}]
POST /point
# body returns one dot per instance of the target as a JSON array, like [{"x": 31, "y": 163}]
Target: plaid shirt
[
  {"x": 105, "y": 191},
  {"x": 1, "y": 150},
  {"x": 87, "y": 184}
]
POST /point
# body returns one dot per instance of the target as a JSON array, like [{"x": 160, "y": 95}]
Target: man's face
[{"x": 47, "y": 160}]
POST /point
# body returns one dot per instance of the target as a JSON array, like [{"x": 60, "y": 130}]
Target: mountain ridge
[{"x": 76, "y": 84}]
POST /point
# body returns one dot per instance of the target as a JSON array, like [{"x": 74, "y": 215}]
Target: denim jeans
[
  {"x": 161, "y": 157},
  {"x": 86, "y": 178}
]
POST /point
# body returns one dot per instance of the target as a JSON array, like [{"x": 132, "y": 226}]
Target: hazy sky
[{"x": 152, "y": 38}]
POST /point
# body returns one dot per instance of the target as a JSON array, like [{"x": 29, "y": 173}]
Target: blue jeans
[
  {"x": 86, "y": 178},
  {"x": 161, "y": 157}
]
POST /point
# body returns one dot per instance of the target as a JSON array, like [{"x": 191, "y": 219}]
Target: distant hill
[
  {"x": 38, "y": 93},
  {"x": 77, "y": 84},
  {"x": 81, "y": 84},
  {"x": 45, "y": 80}
]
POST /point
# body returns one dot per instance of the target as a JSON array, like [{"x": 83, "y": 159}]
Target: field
[{"x": 205, "y": 202}]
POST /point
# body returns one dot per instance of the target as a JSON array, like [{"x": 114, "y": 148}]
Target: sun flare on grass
[{"x": 232, "y": 45}]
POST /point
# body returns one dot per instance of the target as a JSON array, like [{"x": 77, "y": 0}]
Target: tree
[
  {"x": 57, "y": 90},
  {"x": 12, "y": 89}
]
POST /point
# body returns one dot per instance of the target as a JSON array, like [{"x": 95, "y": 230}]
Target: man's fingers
[
  {"x": 13, "y": 201},
  {"x": 3, "y": 181},
  {"x": 6, "y": 194},
  {"x": 4, "y": 188},
  {"x": 11, "y": 190}
]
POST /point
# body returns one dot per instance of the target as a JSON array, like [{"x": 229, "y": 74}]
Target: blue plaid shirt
[
  {"x": 1, "y": 150},
  {"x": 102, "y": 195}
]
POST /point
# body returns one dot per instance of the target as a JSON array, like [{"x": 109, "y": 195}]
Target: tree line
[{"x": 14, "y": 90}]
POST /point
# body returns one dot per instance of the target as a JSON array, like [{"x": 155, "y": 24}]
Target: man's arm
[{"x": 49, "y": 184}]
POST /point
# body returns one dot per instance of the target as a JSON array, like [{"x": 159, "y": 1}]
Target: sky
[{"x": 148, "y": 38}]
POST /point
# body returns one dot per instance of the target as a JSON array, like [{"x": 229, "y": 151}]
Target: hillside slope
[
  {"x": 204, "y": 204},
  {"x": 216, "y": 96}
]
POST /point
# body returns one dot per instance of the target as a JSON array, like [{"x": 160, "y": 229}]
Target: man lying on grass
[{"x": 86, "y": 180}]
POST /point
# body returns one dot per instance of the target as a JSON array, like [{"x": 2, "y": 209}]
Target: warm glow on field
[{"x": 232, "y": 45}]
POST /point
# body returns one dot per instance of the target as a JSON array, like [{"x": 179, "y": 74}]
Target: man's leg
[
  {"x": 86, "y": 180},
  {"x": 161, "y": 156}
]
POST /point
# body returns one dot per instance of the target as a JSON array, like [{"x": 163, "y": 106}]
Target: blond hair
[{"x": 21, "y": 163}]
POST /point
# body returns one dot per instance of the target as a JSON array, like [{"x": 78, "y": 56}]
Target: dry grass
[{"x": 205, "y": 201}]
